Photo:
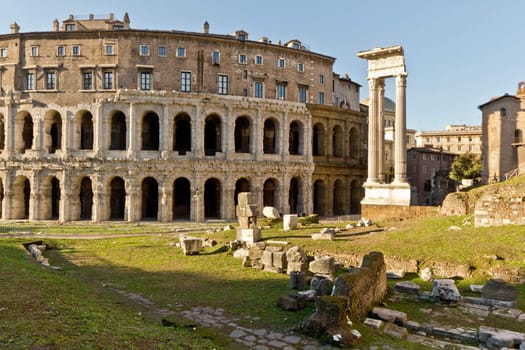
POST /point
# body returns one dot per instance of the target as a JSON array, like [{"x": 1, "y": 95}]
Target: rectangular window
[
  {"x": 181, "y": 52},
  {"x": 51, "y": 80},
  {"x": 3, "y": 52},
  {"x": 259, "y": 89},
  {"x": 30, "y": 82},
  {"x": 223, "y": 84},
  {"x": 282, "y": 63},
  {"x": 185, "y": 81},
  {"x": 144, "y": 50},
  {"x": 70, "y": 27},
  {"x": 118, "y": 27},
  {"x": 281, "y": 91},
  {"x": 145, "y": 81},
  {"x": 242, "y": 59},
  {"x": 163, "y": 52},
  {"x": 108, "y": 80},
  {"x": 321, "y": 79},
  {"x": 75, "y": 51},
  {"x": 321, "y": 98},
  {"x": 87, "y": 80},
  {"x": 216, "y": 57},
  {"x": 60, "y": 51},
  {"x": 110, "y": 49},
  {"x": 300, "y": 67},
  {"x": 34, "y": 51},
  {"x": 303, "y": 93},
  {"x": 258, "y": 59}
]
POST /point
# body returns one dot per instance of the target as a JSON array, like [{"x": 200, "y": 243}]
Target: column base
[{"x": 386, "y": 194}]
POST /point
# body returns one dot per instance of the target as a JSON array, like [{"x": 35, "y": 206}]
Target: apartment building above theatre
[
  {"x": 98, "y": 56},
  {"x": 458, "y": 139}
]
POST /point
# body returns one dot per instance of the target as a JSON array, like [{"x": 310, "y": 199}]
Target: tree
[{"x": 465, "y": 166}]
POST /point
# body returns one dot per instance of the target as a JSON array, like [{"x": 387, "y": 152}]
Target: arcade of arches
[{"x": 140, "y": 160}]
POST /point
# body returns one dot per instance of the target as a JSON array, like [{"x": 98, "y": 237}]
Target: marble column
[
  {"x": 372, "y": 131},
  {"x": 400, "y": 153},
  {"x": 380, "y": 130}
]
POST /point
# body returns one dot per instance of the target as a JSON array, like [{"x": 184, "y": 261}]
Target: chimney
[
  {"x": 55, "y": 25},
  {"x": 15, "y": 28},
  {"x": 71, "y": 17},
  {"x": 111, "y": 16},
  {"x": 91, "y": 16},
  {"x": 206, "y": 27}
]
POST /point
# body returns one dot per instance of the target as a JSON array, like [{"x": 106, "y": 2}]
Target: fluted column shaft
[
  {"x": 373, "y": 154},
  {"x": 400, "y": 154},
  {"x": 380, "y": 130}
]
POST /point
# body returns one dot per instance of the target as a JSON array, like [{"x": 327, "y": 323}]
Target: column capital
[{"x": 401, "y": 80}]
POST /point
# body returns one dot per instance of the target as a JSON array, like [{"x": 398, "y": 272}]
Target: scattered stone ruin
[{"x": 246, "y": 212}]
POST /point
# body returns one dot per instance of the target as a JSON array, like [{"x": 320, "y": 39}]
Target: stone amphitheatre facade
[{"x": 99, "y": 122}]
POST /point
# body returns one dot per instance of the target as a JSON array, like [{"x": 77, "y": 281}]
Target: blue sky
[{"x": 459, "y": 53}]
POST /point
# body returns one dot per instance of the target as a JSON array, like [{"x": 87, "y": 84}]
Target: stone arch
[
  {"x": 84, "y": 130},
  {"x": 295, "y": 140},
  {"x": 117, "y": 198},
  {"x": 337, "y": 141},
  {"x": 182, "y": 133},
  {"x": 21, "y": 197},
  {"x": 318, "y": 140},
  {"x": 150, "y": 132},
  {"x": 295, "y": 196},
  {"x": 241, "y": 185},
  {"x": 212, "y": 198},
  {"x": 242, "y": 134},
  {"x": 52, "y": 131},
  {"x": 356, "y": 194},
  {"x": 181, "y": 199},
  {"x": 271, "y": 131},
  {"x": 118, "y": 131},
  {"x": 150, "y": 198},
  {"x": 319, "y": 200},
  {"x": 2, "y": 132},
  {"x": 86, "y": 198},
  {"x": 50, "y": 198},
  {"x": 24, "y": 131},
  {"x": 270, "y": 193},
  {"x": 212, "y": 135},
  {"x": 354, "y": 143},
  {"x": 338, "y": 198}
]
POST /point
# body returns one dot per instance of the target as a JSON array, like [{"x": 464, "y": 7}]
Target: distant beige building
[
  {"x": 457, "y": 139},
  {"x": 99, "y": 121},
  {"x": 503, "y": 143}
]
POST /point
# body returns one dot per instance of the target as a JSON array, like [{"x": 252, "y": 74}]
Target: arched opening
[
  {"x": 50, "y": 198},
  {"x": 118, "y": 131},
  {"x": 354, "y": 143},
  {"x": 21, "y": 197},
  {"x": 212, "y": 199},
  {"x": 181, "y": 199},
  {"x": 293, "y": 196},
  {"x": 212, "y": 135},
  {"x": 318, "y": 140},
  {"x": 182, "y": 134},
  {"x": 319, "y": 197},
  {"x": 338, "y": 198},
  {"x": 86, "y": 131},
  {"x": 242, "y": 185},
  {"x": 355, "y": 197},
  {"x": 270, "y": 193},
  {"x": 117, "y": 199},
  {"x": 53, "y": 131},
  {"x": 295, "y": 138},
  {"x": 150, "y": 132},
  {"x": 2, "y": 132},
  {"x": 27, "y": 133},
  {"x": 518, "y": 136},
  {"x": 150, "y": 199},
  {"x": 242, "y": 135},
  {"x": 86, "y": 199},
  {"x": 337, "y": 141},
  {"x": 270, "y": 139}
]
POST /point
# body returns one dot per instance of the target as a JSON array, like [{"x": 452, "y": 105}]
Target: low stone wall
[
  {"x": 494, "y": 210},
  {"x": 397, "y": 212}
]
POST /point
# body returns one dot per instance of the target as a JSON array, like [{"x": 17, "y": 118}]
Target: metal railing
[
  {"x": 513, "y": 173},
  {"x": 16, "y": 229}
]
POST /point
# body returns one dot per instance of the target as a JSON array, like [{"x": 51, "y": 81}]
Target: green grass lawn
[{"x": 71, "y": 308}]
